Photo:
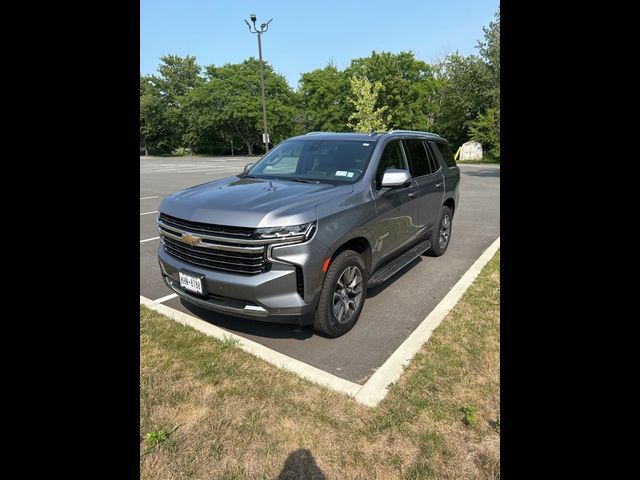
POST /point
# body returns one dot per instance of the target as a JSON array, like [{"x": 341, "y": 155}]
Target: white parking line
[
  {"x": 165, "y": 298},
  {"x": 149, "y": 239},
  {"x": 147, "y": 198},
  {"x": 376, "y": 388},
  {"x": 149, "y": 213}
]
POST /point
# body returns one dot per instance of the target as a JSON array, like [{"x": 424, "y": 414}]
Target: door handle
[
  {"x": 413, "y": 194},
  {"x": 438, "y": 185}
]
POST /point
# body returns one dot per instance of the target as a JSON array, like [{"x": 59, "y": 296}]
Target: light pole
[{"x": 263, "y": 28}]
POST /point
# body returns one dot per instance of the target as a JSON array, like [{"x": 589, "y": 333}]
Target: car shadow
[
  {"x": 484, "y": 173},
  {"x": 279, "y": 330},
  {"x": 249, "y": 326},
  {"x": 373, "y": 291}
]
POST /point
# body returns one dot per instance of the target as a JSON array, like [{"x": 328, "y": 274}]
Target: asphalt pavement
[{"x": 391, "y": 311}]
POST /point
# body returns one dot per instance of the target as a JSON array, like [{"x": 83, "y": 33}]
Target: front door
[{"x": 397, "y": 207}]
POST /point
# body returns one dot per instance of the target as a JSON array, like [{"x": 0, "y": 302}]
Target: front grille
[
  {"x": 299, "y": 281},
  {"x": 228, "y": 249},
  {"x": 249, "y": 263},
  {"x": 206, "y": 229}
]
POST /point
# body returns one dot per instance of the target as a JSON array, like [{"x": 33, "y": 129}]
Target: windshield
[{"x": 331, "y": 161}]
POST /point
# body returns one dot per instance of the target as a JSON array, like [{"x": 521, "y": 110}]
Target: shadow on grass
[{"x": 301, "y": 464}]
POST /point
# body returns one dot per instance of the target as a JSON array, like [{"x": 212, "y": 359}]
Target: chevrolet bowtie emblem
[{"x": 190, "y": 239}]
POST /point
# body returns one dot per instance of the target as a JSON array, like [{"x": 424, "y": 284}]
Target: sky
[{"x": 305, "y": 35}]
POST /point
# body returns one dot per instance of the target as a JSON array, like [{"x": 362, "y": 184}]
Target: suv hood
[{"x": 251, "y": 202}]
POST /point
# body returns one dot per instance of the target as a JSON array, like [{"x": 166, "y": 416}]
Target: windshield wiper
[{"x": 303, "y": 180}]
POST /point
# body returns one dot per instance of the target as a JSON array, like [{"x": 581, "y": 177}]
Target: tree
[
  {"x": 486, "y": 130},
  {"x": 366, "y": 116},
  {"x": 323, "y": 99},
  {"x": 408, "y": 87},
  {"x": 456, "y": 96},
  {"x": 155, "y": 130},
  {"x": 464, "y": 93},
  {"x": 487, "y": 125},
  {"x": 489, "y": 48},
  {"x": 162, "y": 121},
  {"x": 178, "y": 76},
  {"x": 228, "y": 106}
]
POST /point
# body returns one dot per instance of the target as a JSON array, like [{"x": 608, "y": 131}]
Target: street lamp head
[{"x": 253, "y": 17}]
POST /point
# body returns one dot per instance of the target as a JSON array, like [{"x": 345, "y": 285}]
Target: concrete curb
[
  {"x": 278, "y": 359},
  {"x": 376, "y": 388}
]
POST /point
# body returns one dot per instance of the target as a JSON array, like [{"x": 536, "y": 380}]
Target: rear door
[
  {"x": 427, "y": 175},
  {"x": 397, "y": 207},
  {"x": 450, "y": 170}
]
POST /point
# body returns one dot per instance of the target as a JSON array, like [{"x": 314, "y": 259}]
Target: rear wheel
[
  {"x": 342, "y": 296},
  {"x": 441, "y": 235}
]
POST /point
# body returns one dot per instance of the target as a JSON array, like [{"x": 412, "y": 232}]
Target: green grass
[
  {"x": 470, "y": 415},
  {"x": 229, "y": 342},
  {"x": 242, "y": 418},
  {"x": 154, "y": 438}
]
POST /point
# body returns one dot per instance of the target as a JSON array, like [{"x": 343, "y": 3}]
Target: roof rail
[
  {"x": 413, "y": 131},
  {"x": 315, "y": 133}
]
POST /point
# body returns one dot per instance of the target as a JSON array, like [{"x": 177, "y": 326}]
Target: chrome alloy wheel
[
  {"x": 348, "y": 294},
  {"x": 445, "y": 230}
]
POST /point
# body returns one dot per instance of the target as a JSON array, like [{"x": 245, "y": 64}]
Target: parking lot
[{"x": 391, "y": 311}]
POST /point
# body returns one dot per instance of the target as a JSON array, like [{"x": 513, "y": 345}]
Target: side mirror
[
  {"x": 247, "y": 167},
  {"x": 395, "y": 177}
]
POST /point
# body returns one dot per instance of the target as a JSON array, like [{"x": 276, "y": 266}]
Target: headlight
[{"x": 293, "y": 233}]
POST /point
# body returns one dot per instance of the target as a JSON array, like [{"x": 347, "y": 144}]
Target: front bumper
[{"x": 270, "y": 296}]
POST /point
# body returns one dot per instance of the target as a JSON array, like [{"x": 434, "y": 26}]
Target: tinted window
[
  {"x": 392, "y": 157},
  {"x": 446, "y": 153},
  {"x": 418, "y": 157},
  {"x": 435, "y": 166}
]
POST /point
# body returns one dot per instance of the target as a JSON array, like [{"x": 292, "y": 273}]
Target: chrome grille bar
[
  {"x": 212, "y": 246},
  {"x": 177, "y": 232}
]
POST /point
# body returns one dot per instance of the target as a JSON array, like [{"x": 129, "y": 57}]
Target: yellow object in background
[{"x": 455, "y": 157}]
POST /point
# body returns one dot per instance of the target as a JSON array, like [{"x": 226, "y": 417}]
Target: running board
[{"x": 399, "y": 263}]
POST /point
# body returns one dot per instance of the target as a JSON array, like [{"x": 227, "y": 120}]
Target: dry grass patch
[{"x": 241, "y": 418}]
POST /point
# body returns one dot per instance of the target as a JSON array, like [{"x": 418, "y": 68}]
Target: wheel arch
[
  {"x": 359, "y": 244},
  {"x": 450, "y": 202}
]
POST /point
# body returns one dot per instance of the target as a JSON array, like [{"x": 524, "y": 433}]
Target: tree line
[{"x": 214, "y": 109}]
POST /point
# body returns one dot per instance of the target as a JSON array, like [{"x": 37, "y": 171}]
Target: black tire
[
  {"x": 326, "y": 321},
  {"x": 437, "y": 248}
]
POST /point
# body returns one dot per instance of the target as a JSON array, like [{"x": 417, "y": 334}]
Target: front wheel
[
  {"x": 441, "y": 234},
  {"x": 342, "y": 296}
]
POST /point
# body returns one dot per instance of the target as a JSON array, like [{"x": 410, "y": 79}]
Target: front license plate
[{"x": 191, "y": 283}]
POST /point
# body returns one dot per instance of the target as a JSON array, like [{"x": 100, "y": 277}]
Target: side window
[
  {"x": 446, "y": 153},
  {"x": 418, "y": 157},
  {"x": 392, "y": 157},
  {"x": 435, "y": 166}
]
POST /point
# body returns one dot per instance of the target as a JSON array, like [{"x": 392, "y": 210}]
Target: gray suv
[{"x": 300, "y": 235}]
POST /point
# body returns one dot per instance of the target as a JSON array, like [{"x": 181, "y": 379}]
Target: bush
[{"x": 182, "y": 151}]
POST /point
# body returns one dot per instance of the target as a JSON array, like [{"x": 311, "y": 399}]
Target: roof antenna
[{"x": 372, "y": 132}]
